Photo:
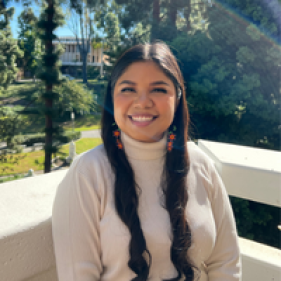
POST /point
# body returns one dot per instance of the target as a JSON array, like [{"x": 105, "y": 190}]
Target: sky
[{"x": 60, "y": 31}]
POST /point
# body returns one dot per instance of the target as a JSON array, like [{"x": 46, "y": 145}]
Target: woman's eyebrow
[
  {"x": 152, "y": 84},
  {"x": 127, "y": 82},
  {"x": 159, "y": 83}
]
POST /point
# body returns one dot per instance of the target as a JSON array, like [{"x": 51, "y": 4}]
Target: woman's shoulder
[
  {"x": 197, "y": 156},
  {"x": 94, "y": 158}
]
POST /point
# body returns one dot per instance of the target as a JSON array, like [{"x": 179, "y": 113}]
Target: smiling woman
[{"x": 147, "y": 204}]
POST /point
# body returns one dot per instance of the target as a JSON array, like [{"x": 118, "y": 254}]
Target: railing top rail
[{"x": 247, "y": 172}]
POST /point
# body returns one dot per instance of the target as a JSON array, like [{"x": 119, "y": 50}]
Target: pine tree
[
  {"x": 9, "y": 50},
  {"x": 50, "y": 18}
]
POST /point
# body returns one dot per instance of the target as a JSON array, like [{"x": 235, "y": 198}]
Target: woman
[{"x": 147, "y": 204}]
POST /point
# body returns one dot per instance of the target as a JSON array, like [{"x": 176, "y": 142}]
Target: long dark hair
[{"x": 174, "y": 172}]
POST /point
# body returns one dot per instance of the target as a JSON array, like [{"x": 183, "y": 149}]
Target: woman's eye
[
  {"x": 127, "y": 90},
  {"x": 160, "y": 90}
]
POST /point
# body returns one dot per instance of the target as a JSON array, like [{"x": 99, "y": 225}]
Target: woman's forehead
[{"x": 144, "y": 72}]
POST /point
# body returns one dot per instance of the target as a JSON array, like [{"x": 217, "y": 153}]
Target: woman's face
[{"x": 144, "y": 101}]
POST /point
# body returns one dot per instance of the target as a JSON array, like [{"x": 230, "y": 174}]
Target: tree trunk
[
  {"x": 187, "y": 11},
  {"x": 84, "y": 57},
  {"x": 48, "y": 102},
  {"x": 156, "y": 11},
  {"x": 156, "y": 19},
  {"x": 173, "y": 12}
]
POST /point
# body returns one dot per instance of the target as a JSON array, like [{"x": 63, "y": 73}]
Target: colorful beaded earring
[
  {"x": 117, "y": 134},
  {"x": 171, "y": 138}
]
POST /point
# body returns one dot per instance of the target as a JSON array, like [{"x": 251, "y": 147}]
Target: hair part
[{"x": 175, "y": 170}]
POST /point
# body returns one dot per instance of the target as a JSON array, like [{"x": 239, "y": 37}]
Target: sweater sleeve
[
  {"x": 75, "y": 227},
  {"x": 224, "y": 262}
]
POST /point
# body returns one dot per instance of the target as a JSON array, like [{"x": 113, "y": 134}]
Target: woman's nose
[{"x": 143, "y": 100}]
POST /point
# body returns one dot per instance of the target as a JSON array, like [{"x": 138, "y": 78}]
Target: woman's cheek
[{"x": 121, "y": 107}]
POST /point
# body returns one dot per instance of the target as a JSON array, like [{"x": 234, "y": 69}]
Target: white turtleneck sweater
[{"x": 91, "y": 242}]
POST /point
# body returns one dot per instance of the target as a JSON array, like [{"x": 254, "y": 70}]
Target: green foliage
[
  {"x": 69, "y": 95},
  {"x": 232, "y": 82},
  {"x": 74, "y": 96},
  {"x": 9, "y": 50},
  {"x": 65, "y": 137},
  {"x": 93, "y": 71},
  {"x": 254, "y": 220},
  {"x": 10, "y": 122},
  {"x": 29, "y": 42}
]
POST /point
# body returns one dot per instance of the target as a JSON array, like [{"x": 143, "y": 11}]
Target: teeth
[{"x": 141, "y": 118}]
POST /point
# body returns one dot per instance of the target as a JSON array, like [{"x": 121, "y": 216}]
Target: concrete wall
[
  {"x": 26, "y": 238},
  {"x": 26, "y": 245}
]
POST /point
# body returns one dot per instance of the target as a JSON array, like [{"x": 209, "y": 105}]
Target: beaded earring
[
  {"x": 117, "y": 134},
  {"x": 171, "y": 138}
]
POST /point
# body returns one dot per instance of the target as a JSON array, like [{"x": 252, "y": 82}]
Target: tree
[
  {"x": 29, "y": 43},
  {"x": 70, "y": 96},
  {"x": 50, "y": 18},
  {"x": 9, "y": 50},
  {"x": 232, "y": 77},
  {"x": 81, "y": 24},
  {"x": 162, "y": 17}
]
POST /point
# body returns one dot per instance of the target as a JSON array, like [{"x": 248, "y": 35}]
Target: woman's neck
[{"x": 143, "y": 150}]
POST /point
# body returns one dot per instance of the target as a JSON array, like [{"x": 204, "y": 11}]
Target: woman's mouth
[{"x": 142, "y": 120}]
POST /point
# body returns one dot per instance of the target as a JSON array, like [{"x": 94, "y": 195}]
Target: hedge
[{"x": 29, "y": 140}]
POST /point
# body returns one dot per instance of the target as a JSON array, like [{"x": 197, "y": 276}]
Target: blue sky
[{"x": 61, "y": 31}]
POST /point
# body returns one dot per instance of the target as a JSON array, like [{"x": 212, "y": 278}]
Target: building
[{"x": 71, "y": 58}]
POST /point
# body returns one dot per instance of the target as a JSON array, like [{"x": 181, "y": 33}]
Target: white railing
[
  {"x": 252, "y": 174},
  {"x": 26, "y": 245}
]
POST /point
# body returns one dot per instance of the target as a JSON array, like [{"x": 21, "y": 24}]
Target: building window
[{"x": 94, "y": 59}]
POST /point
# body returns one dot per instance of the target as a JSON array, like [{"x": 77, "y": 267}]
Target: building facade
[{"x": 71, "y": 58}]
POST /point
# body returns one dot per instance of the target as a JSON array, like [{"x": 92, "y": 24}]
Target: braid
[{"x": 126, "y": 200}]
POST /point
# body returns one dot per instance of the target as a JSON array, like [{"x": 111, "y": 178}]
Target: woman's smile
[{"x": 142, "y": 120}]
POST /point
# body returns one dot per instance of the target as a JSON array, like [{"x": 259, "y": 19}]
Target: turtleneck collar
[{"x": 144, "y": 150}]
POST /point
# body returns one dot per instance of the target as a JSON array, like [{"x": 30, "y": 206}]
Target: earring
[
  {"x": 179, "y": 94},
  {"x": 117, "y": 134},
  {"x": 171, "y": 138}
]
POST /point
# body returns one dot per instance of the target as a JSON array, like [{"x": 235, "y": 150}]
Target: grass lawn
[
  {"x": 35, "y": 160},
  {"x": 82, "y": 145},
  {"x": 84, "y": 123}
]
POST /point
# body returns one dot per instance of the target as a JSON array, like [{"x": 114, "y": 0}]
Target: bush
[
  {"x": 93, "y": 71},
  {"x": 66, "y": 137}
]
